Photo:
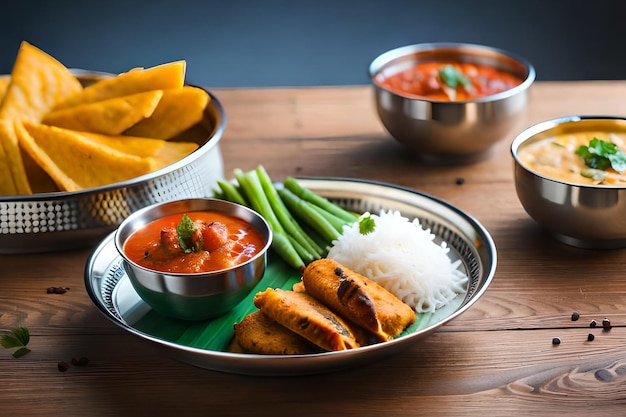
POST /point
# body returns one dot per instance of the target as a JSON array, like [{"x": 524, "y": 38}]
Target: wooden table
[{"x": 495, "y": 359}]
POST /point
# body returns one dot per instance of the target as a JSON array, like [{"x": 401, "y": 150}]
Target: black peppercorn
[
  {"x": 63, "y": 366},
  {"x": 590, "y": 337},
  {"x": 575, "y": 316},
  {"x": 460, "y": 181},
  {"x": 593, "y": 324},
  {"x": 606, "y": 324},
  {"x": 57, "y": 290},
  {"x": 82, "y": 361},
  {"x": 556, "y": 341}
]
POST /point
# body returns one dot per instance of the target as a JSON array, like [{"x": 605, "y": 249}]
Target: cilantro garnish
[
  {"x": 594, "y": 174},
  {"x": 366, "y": 225},
  {"x": 16, "y": 338},
  {"x": 184, "y": 230},
  {"x": 602, "y": 155},
  {"x": 452, "y": 77}
]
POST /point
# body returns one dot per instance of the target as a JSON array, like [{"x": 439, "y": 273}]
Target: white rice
[{"x": 402, "y": 257}]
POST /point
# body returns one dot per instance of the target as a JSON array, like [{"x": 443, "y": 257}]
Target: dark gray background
[{"x": 290, "y": 43}]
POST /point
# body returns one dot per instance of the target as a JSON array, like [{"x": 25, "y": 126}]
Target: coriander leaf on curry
[
  {"x": 600, "y": 154},
  {"x": 586, "y": 157},
  {"x": 198, "y": 241},
  {"x": 453, "y": 77},
  {"x": 449, "y": 80},
  {"x": 184, "y": 230}
]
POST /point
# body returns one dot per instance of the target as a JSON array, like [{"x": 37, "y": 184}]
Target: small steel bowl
[
  {"x": 444, "y": 131},
  {"x": 196, "y": 296},
  {"x": 68, "y": 220},
  {"x": 585, "y": 216}
]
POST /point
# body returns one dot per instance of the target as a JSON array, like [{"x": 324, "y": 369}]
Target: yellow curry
[{"x": 561, "y": 158}]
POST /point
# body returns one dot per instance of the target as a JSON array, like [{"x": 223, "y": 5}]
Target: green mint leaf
[
  {"x": 10, "y": 341},
  {"x": 618, "y": 161},
  {"x": 17, "y": 338},
  {"x": 591, "y": 159},
  {"x": 366, "y": 225},
  {"x": 22, "y": 334},
  {"x": 184, "y": 230},
  {"x": 594, "y": 174},
  {"x": 601, "y": 154},
  {"x": 20, "y": 352},
  {"x": 452, "y": 77}
]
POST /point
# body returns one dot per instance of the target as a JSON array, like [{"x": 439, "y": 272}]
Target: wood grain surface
[{"x": 496, "y": 359}]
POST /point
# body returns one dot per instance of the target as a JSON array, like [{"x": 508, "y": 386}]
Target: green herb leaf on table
[
  {"x": 184, "y": 230},
  {"x": 600, "y": 154},
  {"x": 17, "y": 338},
  {"x": 452, "y": 77},
  {"x": 21, "y": 352}
]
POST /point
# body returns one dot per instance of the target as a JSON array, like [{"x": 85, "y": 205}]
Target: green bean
[
  {"x": 316, "y": 221},
  {"x": 253, "y": 192},
  {"x": 304, "y": 193},
  {"x": 284, "y": 216},
  {"x": 284, "y": 248},
  {"x": 306, "y": 256},
  {"x": 335, "y": 221},
  {"x": 219, "y": 194},
  {"x": 231, "y": 193}
]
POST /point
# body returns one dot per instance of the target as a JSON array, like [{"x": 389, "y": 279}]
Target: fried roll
[
  {"x": 304, "y": 315},
  {"x": 257, "y": 333},
  {"x": 357, "y": 298}
]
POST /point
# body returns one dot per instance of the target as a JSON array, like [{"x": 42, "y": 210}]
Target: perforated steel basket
[{"x": 67, "y": 220}]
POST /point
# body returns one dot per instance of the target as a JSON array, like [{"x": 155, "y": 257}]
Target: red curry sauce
[
  {"x": 424, "y": 80},
  {"x": 222, "y": 241}
]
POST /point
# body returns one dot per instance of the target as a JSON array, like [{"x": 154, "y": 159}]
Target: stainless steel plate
[{"x": 110, "y": 289}]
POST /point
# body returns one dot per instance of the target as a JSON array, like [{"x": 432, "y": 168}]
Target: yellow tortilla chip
[
  {"x": 75, "y": 163},
  {"x": 163, "y": 152},
  {"x": 160, "y": 77},
  {"x": 4, "y": 85},
  {"x": 39, "y": 180},
  {"x": 38, "y": 82},
  {"x": 178, "y": 110},
  {"x": 111, "y": 117},
  {"x": 7, "y": 185}
]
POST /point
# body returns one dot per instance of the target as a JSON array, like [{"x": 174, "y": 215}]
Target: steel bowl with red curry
[
  {"x": 194, "y": 242},
  {"x": 449, "y": 80}
]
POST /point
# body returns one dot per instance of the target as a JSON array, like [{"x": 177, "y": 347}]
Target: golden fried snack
[
  {"x": 7, "y": 185},
  {"x": 178, "y": 110},
  {"x": 160, "y": 77},
  {"x": 304, "y": 315},
  {"x": 163, "y": 152},
  {"x": 110, "y": 117},
  {"x": 257, "y": 333},
  {"x": 234, "y": 346},
  {"x": 298, "y": 287},
  {"x": 38, "y": 83},
  {"x": 4, "y": 85},
  {"x": 75, "y": 163},
  {"x": 357, "y": 298}
]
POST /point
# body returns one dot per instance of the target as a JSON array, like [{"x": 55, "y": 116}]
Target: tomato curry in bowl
[
  {"x": 450, "y": 102},
  {"x": 450, "y": 80},
  {"x": 194, "y": 259}
]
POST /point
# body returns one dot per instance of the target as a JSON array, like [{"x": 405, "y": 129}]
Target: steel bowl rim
[
  {"x": 139, "y": 213},
  {"x": 546, "y": 125},
  {"x": 390, "y": 55}
]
